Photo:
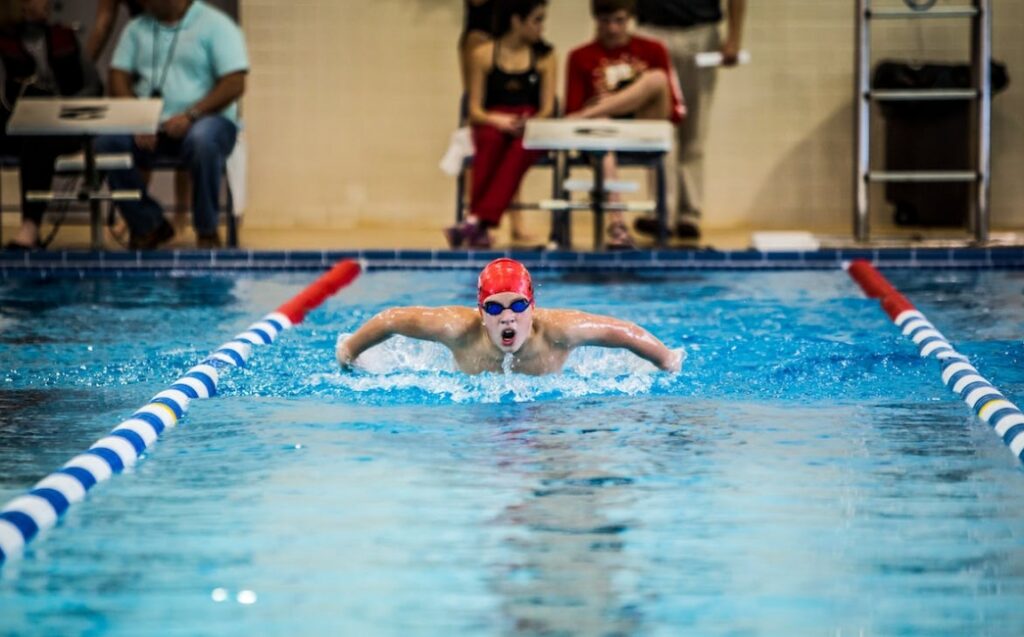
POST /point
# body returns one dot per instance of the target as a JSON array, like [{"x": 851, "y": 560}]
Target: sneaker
[
  {"x": 152, "y": 240},
  {"x": 455, "y": 235},
  {"x": 618, "y": 237},
  {"x": 646, "y": 225},
  {"x": 474, "y": 235},
  {"x": 685, "y": 228},
  {"x": 208, "y": 241},
  {"x": 478, "y": 237},
  {"x": 14, "y": 246}
]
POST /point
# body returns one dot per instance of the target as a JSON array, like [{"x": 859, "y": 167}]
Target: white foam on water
[{"x": 408, "y": 364}]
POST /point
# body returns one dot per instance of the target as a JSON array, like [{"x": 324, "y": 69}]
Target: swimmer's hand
[
  {"x": 673, "y": 362},
  {"x": 343, "y": 354}
]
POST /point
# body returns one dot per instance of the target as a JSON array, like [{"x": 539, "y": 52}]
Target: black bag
[{"x": 929, "y": 135}]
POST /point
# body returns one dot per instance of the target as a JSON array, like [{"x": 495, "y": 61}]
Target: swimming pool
[{"x": 806, "y": 474}]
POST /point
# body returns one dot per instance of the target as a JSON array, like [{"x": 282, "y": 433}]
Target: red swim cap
[{"x": 504, "y": 275}]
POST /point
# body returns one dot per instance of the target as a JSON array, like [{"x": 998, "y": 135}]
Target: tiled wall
[{"x": 351, "y": 102}]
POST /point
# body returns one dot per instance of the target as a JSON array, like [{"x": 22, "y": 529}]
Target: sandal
[
  {"x": 618, "y": 237},
  {"x": 456, "y": 235},
  {"x": 474, "y": 235},
  {"x": 14, "y": 246},
  {"x": 478, "y": 237}
]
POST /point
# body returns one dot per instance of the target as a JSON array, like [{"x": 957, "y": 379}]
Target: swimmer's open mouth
[{"x": 508, "y": 336}]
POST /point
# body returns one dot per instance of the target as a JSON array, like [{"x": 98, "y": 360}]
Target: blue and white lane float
[
  {"x": 962, "y": 378},
  {"x": 26, "y": 516}
]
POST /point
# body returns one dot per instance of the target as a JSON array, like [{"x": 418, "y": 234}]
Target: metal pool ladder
[{"x": 979, "y": 12}]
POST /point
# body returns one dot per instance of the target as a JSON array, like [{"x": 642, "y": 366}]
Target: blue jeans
[{"x": 203, "y": 150}]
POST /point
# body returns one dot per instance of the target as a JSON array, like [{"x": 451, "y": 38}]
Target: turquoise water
[{"x": 805, "y": 474}]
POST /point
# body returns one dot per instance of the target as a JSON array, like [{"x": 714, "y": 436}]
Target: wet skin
[{"x": 536, "y": 341}]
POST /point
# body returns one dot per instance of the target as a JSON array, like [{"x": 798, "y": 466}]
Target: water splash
[{"x": 401, "y": 369}]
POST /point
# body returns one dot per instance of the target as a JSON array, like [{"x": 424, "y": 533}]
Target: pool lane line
[
  {"x": 24, "y": 517},
  {"x": 962, "y": 378}
]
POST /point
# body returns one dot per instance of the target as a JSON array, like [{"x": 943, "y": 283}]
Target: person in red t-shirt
[{"x": 620, "y": 74}]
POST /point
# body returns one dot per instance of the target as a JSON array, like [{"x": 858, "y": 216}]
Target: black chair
[
  {"x": 550, "y": 159},
  {"x": 9, "y": 162},
  {"x": 227, "y": 208}
]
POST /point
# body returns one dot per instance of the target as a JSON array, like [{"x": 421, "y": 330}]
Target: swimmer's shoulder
[
  {"x": 559, "y": 325},
  {"x": 459, "y": 322},
  {"x": 448, "y": 324}
]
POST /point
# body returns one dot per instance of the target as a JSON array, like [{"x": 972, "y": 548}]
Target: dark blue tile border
[
  {"x": 970, "y": 255},
  {"x": 83, "y": 263},
  {"x": 120, "y": 257},
  {"x": 414, "y": 255},
  {"x": 448, "y": 257},
  {"x": 936, "y": 255},
  {"x": 746, "y": 256},
  {"x": 562, "y": 257},
  {"x": 1005, "y": 255},
  {"x": 822, "y": 256},
  {"x": 783, "y": 256}
]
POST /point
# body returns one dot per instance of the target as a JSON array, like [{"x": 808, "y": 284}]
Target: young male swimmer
[{"x": 506, "y": 323}]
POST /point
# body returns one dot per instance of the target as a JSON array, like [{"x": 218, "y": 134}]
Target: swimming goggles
[{"x": 494, "y": 308}]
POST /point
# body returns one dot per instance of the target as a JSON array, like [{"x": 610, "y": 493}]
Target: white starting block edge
[
  {"x": 610, "y": 185},
  {"x": 784, "y": 241},
  {"x": 105, "y": 161}
]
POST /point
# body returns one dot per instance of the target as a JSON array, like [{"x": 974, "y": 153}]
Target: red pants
[{"x": 499, "y": 163}]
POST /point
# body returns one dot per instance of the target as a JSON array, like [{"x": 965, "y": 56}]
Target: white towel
[{"x": 460, "y": 146}]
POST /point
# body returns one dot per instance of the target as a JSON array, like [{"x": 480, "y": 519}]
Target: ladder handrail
[
  {"x": 981, "y": 91},
  {"x": 923, "y": 94},
  {"x": 932, "y": 12},
  {"x": 982, "y": 54}
]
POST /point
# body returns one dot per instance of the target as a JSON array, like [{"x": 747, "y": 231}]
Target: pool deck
[{"x": 380, "y": 247}]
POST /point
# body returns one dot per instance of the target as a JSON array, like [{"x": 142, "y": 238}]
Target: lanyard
[{"x": 157, "y": 90}]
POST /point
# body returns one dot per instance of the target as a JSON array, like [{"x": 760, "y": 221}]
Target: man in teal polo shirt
[{"x": 192, "y": 56}]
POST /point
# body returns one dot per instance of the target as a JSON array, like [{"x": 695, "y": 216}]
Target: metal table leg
[
  {"x": 597, "y": 198},
  {"x": 92, "y": 186},
  {"x": 662, "y": 205}
]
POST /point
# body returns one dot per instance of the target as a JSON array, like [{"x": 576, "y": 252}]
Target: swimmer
[{"x": 507, "y": 324}]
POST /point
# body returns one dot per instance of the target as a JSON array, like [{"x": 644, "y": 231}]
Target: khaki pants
[{"x": 686, "y": 191}]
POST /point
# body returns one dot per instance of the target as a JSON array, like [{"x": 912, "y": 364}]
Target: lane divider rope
[
  {"x": 962, "y": 378},
  {"x": 24, "y": 517}
]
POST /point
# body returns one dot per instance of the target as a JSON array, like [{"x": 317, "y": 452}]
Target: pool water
[{"x": 805, "y": 474}]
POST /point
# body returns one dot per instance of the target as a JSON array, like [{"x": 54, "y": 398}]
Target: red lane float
[
  {"x": 988, "y": 403},
  {"x": 876, "y": 286},
  {"x": 343, "y": 273}
]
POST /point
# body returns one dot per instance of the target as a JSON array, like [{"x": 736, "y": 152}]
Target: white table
[
  {"x": 86, "y": 118},
  {"x": 597, "y": 137}
]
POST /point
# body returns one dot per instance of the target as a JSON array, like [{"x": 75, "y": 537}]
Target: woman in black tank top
[
  {"x": 510, "y": 80},
  {"x": 512, "y": 88},
  {"x": 477, "y": 30}
]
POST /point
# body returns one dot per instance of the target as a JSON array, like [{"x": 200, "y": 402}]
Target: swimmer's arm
[
  {"x": 605, "y": 331},
  {"x": 430, "y": 324}
]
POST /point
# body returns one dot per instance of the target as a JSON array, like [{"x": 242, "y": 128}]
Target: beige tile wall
[{"x": 351, "y": 102}]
